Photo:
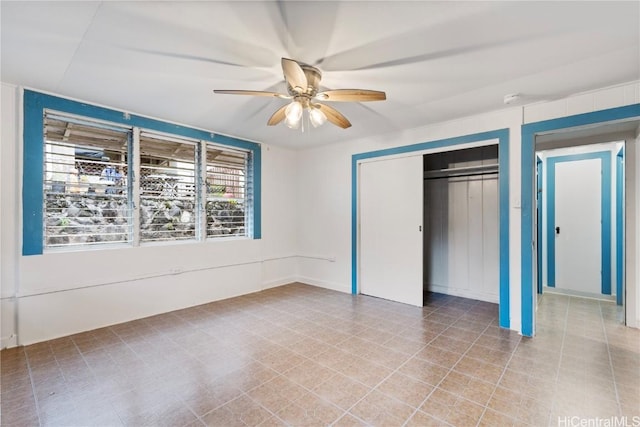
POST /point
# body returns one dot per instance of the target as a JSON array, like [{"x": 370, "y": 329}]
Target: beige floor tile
[
  {"x": 406, "y": 389},
  {"x": 348, "y": 420},
  {"x": 312, "y": 354},
  {"x": 470, "y": 388},
  {"x": 439, "y": 356},
  {"x": 239, "y": 412},
  {"x": 342, "y": 391},
  {"x": 492, "y": 418},
  {"x": 421, "y": 419},
  {"x": 424, "y": 371},
  {"x": 379, "y": 409},
  {"x": 277, "y": 394},
  {"x": 309, "y": 374},
  {"x": 452, "y": 408},
  {"x": 310, "y": 410}
]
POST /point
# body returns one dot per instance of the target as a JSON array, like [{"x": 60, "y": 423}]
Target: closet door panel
[
  {"x": 436, "y": 233},
  {"x": 476, "y": 235},
  {"x": 490, "y": 240},
  {"x": 458, "y": 232},
  {"x": 391, "y": 239}
]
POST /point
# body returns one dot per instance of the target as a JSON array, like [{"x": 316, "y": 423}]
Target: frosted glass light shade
[
  {"x": 293, "y": 114},
  {"x": 292, "y": 123},
  {"x": 293, "y": 111},
  {"x": 317, "y": 117}
]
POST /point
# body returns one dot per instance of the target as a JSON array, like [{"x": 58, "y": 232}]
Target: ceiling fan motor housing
[{"x": 313, "y": 76}]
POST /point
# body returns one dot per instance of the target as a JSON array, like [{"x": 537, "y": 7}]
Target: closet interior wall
[{"x": 461, "y": 221}]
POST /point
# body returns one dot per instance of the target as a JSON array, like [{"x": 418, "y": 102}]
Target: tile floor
[{"x": 300, "y": 355}]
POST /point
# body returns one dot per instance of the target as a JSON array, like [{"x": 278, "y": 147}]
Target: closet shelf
[{"x": 461, "y": 171}]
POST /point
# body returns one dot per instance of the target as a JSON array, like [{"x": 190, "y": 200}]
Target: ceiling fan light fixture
[
  {"x": 293, "y": 111},
  {"x": 293, "y": 114},
  {"x": 292, "y": 123},
  {"x": 303, "y": 83},
  {"x": 317, "y": 117}
]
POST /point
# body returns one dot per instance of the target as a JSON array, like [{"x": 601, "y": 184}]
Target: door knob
[{"x": 557, "y": 230}]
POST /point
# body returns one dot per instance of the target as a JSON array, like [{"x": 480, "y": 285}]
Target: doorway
[
  {"x": 462, "y": 223},
  {"x": 579, "y": 238},
  {"x": 620, "y": 121}
]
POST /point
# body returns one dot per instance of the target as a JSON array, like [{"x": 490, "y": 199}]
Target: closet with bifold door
[{"x": 461, "y": 223}]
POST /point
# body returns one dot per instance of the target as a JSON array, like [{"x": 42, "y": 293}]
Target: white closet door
[
  {"x": 391, "y": 205},
  {"x": 579, "y": 242},
  {"x": 491, "y": 238}
]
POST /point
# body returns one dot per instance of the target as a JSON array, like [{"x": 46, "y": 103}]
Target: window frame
[
  {"x": 34, "y": 106},
  {"x": 86, "y": 122}
]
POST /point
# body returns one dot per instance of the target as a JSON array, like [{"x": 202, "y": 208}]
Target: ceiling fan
[{"x": 303, "y": 81}]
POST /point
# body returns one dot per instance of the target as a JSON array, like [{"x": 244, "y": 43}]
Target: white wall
[
  {"x": 9, "y": 210},
  {"x": 67, "y": 292},
  {"x": 324, "y": 184}
]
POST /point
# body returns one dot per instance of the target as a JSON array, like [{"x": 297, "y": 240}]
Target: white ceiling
[{"x": 435, "y": 60}]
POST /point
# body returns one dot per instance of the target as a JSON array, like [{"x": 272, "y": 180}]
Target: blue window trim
[
  {"x": 527, "y": 165},
  {"x": 33, "y": 139},
  {"x": 619, "y": 225},
  {"x": 605, "y": 214},
  {"x": 502, "y": 135}
]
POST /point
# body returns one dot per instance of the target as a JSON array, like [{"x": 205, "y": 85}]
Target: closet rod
[{"x": 461, "y": 171}]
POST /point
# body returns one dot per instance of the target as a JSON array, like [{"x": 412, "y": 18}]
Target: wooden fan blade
[
  {"x": 351, "y": 95},
  {"x": 278, "y": 116},
  {"x": 252, "y": 93},
  {"x": 294, "y": 75},
  {"x": 334, "y": 116}
]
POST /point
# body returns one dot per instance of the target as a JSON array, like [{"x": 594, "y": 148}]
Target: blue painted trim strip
[
  {"x": 257, "y": 193},
  {"x": 527, "y": 165},
  {"x": 551, "y": 221},
  {"x": 504, "y": 317},
  {"x": 502, "y": 135},
  {"x": 606, "y": 224},
  {"x": 605, "y": 215},
  {"x": 539, "y": 194},
  {"x": 32, "y": 196},
  {"x": 32, "y": 175},
  {"x": 354, "y": 224},
  {"x": 619, "y": 225}
]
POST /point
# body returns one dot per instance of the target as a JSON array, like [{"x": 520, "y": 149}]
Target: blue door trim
[
  {"x": 33, "y": 159},
  {"x": 605, "y": 215},
  {"x": 619, "y": 225},
  {"x": 527, "y": 165},
  {"x": 502, "y": 135},
  {"x": 539, "y": 194}
]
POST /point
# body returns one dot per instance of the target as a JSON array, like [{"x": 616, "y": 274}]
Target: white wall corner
[
  {"x": 334, "y": 286},
  {"x": 9, "y": 341},
  {"x": 274, "y": 283}
]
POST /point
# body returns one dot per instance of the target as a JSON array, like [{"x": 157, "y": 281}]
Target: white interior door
[
  {"x": 390, "y": 213},
  {"x": 578, "y": 243}
]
